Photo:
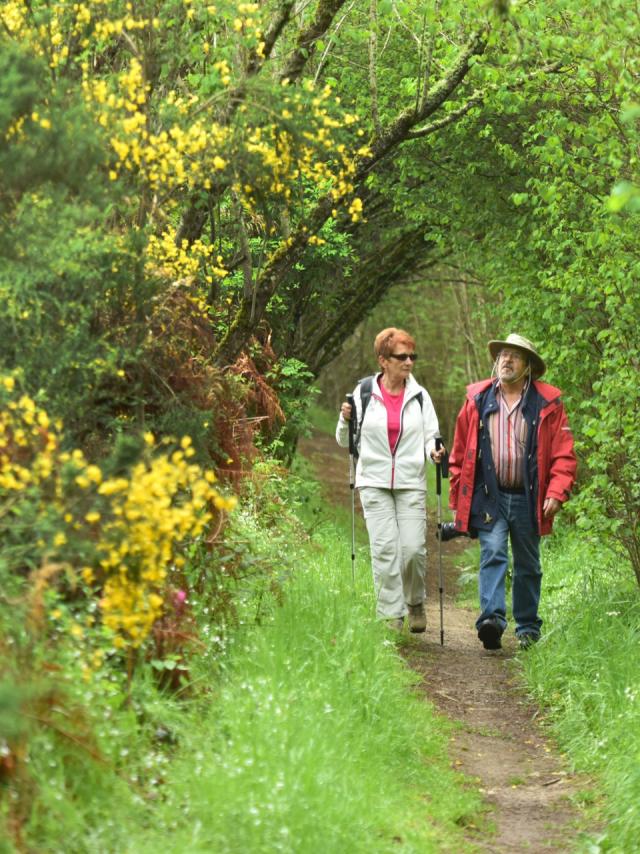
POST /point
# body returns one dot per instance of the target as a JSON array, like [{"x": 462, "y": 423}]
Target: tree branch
[
  {"x": 271, "y": 36},
  {"x": 323, "y": 59},
  {"x": 401, "y": 126},
  {"x": 307, "y": 38},
  {"x": 477, "y": 98},
  {"x": 424, "y": 75},
  {"x": 195, "y": 216},
  {"x": 283, "y": 259},
  {"x": 325, "y": 332},
  {"x": 373, "y": 78},
  {"x": 451, "y": 117}
]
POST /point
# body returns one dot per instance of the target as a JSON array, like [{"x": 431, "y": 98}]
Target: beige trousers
[{"x": 397, "y": 525}]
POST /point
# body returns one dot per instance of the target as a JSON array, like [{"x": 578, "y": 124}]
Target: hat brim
[{"x": 538, "y": 367}]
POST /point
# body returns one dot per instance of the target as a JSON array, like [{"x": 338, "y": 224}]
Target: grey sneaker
[
  {"x": 527, "y": 639},
  {"x": 417, "y": 618},
  {"x": 396, "y": 624}
]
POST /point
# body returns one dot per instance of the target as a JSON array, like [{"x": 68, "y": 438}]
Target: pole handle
[
  {"x": 444, "y": 465},
  {"x": 353, "y": 425}
]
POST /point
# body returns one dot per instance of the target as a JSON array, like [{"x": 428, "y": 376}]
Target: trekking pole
[
  {"x": 442, "y": 470},
  {"x": 352, "y": 482}
]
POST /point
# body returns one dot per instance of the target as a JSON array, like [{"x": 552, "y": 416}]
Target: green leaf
[
  {"x": 622, "y": 196},
  {"x": 630, "y": 112}
]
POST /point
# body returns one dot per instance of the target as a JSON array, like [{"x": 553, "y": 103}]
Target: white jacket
[{"x": 377, "y": 465}]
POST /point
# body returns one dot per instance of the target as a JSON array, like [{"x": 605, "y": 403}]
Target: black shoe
[
  {"x": 490, "y": 632},
  {"x": 527, "y": 639}
]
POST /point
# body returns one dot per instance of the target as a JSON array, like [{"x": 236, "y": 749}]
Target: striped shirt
[{"x": 508, "y": 434}]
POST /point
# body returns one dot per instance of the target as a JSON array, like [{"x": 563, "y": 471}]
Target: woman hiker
[{"x": 395, "y": 436}]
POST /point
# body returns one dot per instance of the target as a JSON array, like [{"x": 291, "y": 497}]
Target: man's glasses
[
  {"x": 402, "y": 357},
  {"x": 511, "y": 354}
]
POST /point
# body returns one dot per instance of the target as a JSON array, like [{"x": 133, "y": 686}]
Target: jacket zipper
[{"x": 395, "y": 447}]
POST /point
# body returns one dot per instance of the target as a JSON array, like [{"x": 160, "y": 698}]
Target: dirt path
[{"x": 500, "y": 741}]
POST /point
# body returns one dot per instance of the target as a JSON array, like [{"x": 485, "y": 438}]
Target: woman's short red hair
[{"x": 387, "y": 341}]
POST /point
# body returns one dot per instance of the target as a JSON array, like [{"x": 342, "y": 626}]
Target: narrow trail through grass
[
  {"x": 535, "y": 804},
  {"x": 309, "y": 742}
]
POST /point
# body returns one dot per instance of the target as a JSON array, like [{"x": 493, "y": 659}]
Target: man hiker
[{"x": 512, "y": 466}]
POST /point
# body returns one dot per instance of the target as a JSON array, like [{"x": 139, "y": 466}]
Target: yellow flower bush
[
  {"x": 122, "y": 534},
  {"x": 173, "y": 135},
  {"x": 163, "y": 502},
  {"x": 182, "y": 262}
]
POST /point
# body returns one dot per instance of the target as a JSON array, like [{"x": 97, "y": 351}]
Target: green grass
[
  {"x": 586, "y": 672},
  {"x": 316, "y": 741},
  {"x": 311, "y": 735},
  {"x": 316, "y": 510},
  {"x": 323, "y": 419},
  {"x": 467, "y": 564}
]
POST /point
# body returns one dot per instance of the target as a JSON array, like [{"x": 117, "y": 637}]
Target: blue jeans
[{"x": 514, "y": 524}]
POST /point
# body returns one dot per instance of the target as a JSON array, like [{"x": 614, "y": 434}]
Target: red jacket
[{"x": 556, "y": 460}]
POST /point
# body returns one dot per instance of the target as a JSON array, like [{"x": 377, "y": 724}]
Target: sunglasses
[{"x": 402, "y": 357}]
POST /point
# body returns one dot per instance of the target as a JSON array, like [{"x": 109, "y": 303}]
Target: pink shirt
[{"x": 393, "y": 403}]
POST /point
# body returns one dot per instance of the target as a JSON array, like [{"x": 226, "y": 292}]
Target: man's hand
[
  {"x": 551, "y": 507},
  {"x": 345, "y": 409}
]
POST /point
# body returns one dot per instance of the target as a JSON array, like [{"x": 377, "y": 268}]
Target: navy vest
[{"x": 484, "y": 503}]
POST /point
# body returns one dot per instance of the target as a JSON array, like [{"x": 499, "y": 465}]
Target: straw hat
[{"x": 538, "y": 367}]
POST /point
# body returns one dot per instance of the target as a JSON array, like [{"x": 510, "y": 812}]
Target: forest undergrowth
[
  {"x": 585, "y": 672},
  {"x": 586, "y": 675},
  {"x": 270, "y": 710},
  {"x": 289, "y": 725}
]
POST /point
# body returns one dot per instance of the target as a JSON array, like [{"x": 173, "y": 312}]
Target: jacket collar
[
  {"x": 411, "y": 389},
  {"x": 548, "y": 393}
]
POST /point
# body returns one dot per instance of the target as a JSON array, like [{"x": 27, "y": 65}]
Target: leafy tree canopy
[{"x": 186, "y": 185}]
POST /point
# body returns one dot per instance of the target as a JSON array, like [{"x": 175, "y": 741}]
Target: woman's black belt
[{"x": 512, "y": 490}]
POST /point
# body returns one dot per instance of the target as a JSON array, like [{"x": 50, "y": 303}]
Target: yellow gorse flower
[
  {"x": 168, "y": 139},
  {"x": 135, "y": 525}
]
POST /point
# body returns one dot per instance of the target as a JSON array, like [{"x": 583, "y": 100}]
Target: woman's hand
[
  {"x": 437, "y": 456},
  {"x": 345, "y": 410}
]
